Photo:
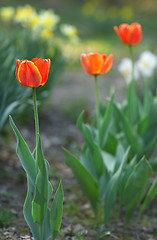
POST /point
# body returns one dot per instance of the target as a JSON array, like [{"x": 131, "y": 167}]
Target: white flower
[
  {"x": 125, "y": 68},
  {"x": 147, "y": 63}
]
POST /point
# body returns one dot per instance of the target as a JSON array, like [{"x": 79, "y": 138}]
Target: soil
[{"x": 58, "y": 129}]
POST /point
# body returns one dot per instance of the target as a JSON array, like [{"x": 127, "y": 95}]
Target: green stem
[
  {"x": 36, "y": 118},
  {"x": 98, "y": 107},
  {"x": 132, "y": 60},
  {"x": 37, "y": 141},
  {"x": 41, "y": 232}
]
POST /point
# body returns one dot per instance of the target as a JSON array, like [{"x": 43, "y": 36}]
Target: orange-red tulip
[
  {"x": 95, "y": 63},
  {"x": 129, "y": 34},
  {"x": 33, "y": 73}
]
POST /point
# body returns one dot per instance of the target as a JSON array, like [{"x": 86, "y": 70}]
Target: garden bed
[{"x": 57, "y": 130}]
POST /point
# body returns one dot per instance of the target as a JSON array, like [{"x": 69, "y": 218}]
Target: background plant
[{"x": 25, "y": 33}]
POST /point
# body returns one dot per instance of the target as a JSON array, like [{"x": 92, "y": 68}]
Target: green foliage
[
  {"x": 109, "y": 168},
  {"x": 85, "y": 179},
  {"x": 135, "y": 122},
  {"x": 152, "y": 193},
  {"x": 36, "y": 210},
  {"x": 136, "y": 186}
]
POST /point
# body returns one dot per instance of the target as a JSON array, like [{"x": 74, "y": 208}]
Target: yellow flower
[
  {"x": 34, "y": 21},
  {"x": 24, "y": 13},
  {"x": 69, "y": 31},
  {"x": 7, "y": 13},
  {"x": 46, "y": 34},
  {"x": 48, "y": 19}
]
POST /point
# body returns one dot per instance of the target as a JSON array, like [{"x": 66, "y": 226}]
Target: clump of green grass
[{"x": 6, "y": 216}]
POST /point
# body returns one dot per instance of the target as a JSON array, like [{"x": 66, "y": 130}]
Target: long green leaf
[
  {"x": 132, "y": 104},
  {"x": 113, "y": 188},
  {"x": 84, "y": 178},
  {"x": 28, "y": 210},
  {"x": 130, "y": 134},
  {"x": 8, "y": 110},
  {"x": 24, "y": 154},
  {"x": 87, "y": 131},
  {"x": 40, "y": 201},
  {"x": 97, "y": 159},
  {"x": 136, "y": 187},
  {"x": 148, "y": 101},
  {"x": 149, "y": 197},
  {"x": 56, "y": 212}
]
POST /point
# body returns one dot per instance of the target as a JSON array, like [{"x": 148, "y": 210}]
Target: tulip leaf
[
  {"x": 143, "y": 124},
  {"x": 24, "y": 153},
  {"x": 87, "y": 131},
  {"x": 86, "y": 158},
  {"x": 136, "y": 187},
  {"x": 96, "y": 157},
  {"x": 148, "y": 100},
  {"x": 28, "y": 210},
  {"x": 84, "y": 178},
  {"x": 50, "y": 188},
  {"x": 131, "y": 135},
  {"x": 40, "y": 201},
  {"x": 132, "y": 104},
  {"x": 6, "y": 112},
  {"x": 113, "y": 188},
  {"x": 128, "y": 171},
  {"x": 106, "y": 123},
  {"x": 56, "y": 212},
  {"x": 152, "y": 193},
  {"x": 109, "y": 161},
  {"x": 111, "y": 144}
]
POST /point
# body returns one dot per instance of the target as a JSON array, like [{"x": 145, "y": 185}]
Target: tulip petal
[
  {"x": 107, "y": 64},
  {"x": 135, "y": 35},
  {"x": 34, "y": 60},
  {"x": 85, "y": 63},
  {"x": 95, "y": 63},
  {"x": 28, "y": 74},
  {"x": 18, "y": 62},
  {"x": 123, "y": 32},
  {"x": 115, "y": 28},
  {"x": 129, "y": 34},
  {"x": 43, "y": 66}
]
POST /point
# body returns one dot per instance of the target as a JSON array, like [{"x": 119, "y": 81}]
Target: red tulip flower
[
  {"x": 33, "y": 73},
  {"x": 129, "y": 34},
  {"x": 96, "y": 64}
]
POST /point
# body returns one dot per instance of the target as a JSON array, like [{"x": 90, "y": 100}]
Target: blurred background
[{"x": 62, "y": 30}]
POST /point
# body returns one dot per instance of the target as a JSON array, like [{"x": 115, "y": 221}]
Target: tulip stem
[
  {"x": 37, "y": 142},
  {"x": 36, "y": 118},
  {"x": 98, "y": 106},
  {"x": 41, "y": 231},
  {"x": 132, "y": 60}
]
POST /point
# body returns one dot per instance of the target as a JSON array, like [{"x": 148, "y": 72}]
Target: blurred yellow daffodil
[
  {"x": 48, "y": 19},
  {"x": 46, "y": 34},
  {"x": 7, "y": 13},
  {"x": 23, "y": 14},
  {"x": 69, "y": 31}
]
